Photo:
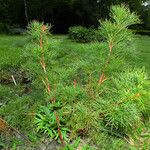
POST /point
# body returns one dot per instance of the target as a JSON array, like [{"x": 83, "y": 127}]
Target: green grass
[
  {"x": 143, "y": 48},
  {"x": 68, "y": 61},
  {"x": 11, "y": 49}
]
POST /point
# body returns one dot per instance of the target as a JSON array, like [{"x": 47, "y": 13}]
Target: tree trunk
[{"x": 26, "y": 11}]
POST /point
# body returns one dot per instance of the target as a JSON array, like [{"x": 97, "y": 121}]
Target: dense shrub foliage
[{"x": 82, "y": 34}]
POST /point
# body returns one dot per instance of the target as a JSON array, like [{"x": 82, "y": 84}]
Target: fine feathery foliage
[
  {"x": 127, "y": 103},
  {"x": 115, "y": 31}
]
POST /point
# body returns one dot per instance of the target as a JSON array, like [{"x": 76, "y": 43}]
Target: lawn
[
  {"x": 143, "y": 48},
  {"x": 68, "y": 61},
  {"x": 11, "y": 46}
]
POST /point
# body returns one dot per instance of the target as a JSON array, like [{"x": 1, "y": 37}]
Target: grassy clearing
[
  {"x": 143, "y": 49},
  {"x": 10, "y": 50},
  {"x": 69, "y": 61}
]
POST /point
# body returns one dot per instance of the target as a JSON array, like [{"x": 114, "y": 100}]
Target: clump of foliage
[
  {"x": 127, "y": 102},
  {"x": 82, "y": 34},
  {"x": 46, "y": 121}
]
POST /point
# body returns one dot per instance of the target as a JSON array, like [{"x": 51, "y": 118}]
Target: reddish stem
[
  {"x": 75, "y": 83},
  {"x": 47, "y": 83},
  {"x": 102, "y": 77},
  {"x": 58, "y": 125}
]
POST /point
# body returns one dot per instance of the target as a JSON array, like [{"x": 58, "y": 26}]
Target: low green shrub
[
  {"x": 82, "y": 34},
  {"x": 127, "y": 101}
]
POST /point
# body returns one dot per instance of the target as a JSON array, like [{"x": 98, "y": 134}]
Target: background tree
[{"x": 64, "y": 13}]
